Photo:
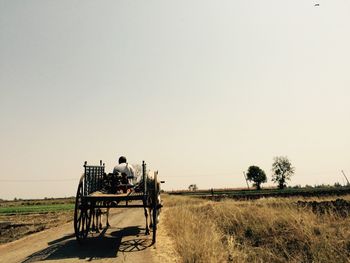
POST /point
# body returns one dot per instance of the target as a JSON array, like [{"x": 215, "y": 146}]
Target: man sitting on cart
[{"x": 128, "y": 175}]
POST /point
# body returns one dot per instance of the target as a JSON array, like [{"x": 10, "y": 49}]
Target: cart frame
[{"x": 88, "y": 205}]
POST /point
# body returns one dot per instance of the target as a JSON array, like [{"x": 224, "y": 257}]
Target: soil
[
  {"x": 16, "y": 226},
  {"x": 338, "y": 207}
]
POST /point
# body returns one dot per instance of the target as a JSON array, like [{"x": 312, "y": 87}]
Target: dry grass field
[{"x": 263, "y": 230}]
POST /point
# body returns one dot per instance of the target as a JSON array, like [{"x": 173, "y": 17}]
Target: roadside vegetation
[{"x": 263, "y": 230}]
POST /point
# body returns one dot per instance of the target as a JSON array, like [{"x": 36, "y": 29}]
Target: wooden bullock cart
[{"x": 90, "y": 199}]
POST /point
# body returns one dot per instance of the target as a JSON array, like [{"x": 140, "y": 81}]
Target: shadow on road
[{"x": 94, "y": 247}]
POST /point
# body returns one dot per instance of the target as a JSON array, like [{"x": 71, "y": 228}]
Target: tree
[
  {"x": 193, "y": 187},
  {"x": 282, "y": 170},
  {"x": 256, "y": 175}
]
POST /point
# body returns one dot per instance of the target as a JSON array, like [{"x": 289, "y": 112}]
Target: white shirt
[{"x": 126, "y": 169}]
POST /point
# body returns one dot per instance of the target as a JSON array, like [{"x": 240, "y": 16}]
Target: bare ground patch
[{"x": 16, "y": 226}]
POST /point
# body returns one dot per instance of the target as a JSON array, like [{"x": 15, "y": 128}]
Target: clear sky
[{"x": 200, "y": 89}]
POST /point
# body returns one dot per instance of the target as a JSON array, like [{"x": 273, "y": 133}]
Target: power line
[{"x": 202, "y": 175}]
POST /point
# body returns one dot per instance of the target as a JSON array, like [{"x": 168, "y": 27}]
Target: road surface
[{"x": 124, "y": 241}]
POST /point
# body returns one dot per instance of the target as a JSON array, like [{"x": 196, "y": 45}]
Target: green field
[{"x": 35, "y": 208}]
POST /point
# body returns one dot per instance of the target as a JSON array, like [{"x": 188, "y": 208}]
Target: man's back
[{"x": 127, "y": 169}]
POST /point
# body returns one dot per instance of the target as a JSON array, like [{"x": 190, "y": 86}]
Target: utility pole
[
  {"x": 246, "y": 179},
  {"x": 345, "y": 177}
]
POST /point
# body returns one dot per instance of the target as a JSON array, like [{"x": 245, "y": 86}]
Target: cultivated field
[
  {"x": 267, "y": 192},
  {"x": 263, "y": 230},
  {"x": 24, "y": 217}
]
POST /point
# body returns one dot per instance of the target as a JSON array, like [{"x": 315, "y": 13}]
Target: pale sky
[{"x": 200, "y": 90}]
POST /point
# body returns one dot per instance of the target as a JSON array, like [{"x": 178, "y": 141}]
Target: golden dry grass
[{"x": 265, "y": 230}]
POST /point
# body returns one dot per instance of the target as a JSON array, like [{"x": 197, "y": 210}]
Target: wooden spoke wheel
[{"x": 82, "y": 215}]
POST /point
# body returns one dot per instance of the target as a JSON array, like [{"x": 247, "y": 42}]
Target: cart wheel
[{"x": 82, "y": 215}]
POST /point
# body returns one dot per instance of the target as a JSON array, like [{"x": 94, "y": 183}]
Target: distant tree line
[{"x": 282, "y": 171}]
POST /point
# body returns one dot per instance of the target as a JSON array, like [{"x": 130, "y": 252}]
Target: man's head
[{"x": 122, "y": 159}]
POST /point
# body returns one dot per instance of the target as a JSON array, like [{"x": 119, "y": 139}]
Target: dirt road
[{"x": 124, "y": 241}]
